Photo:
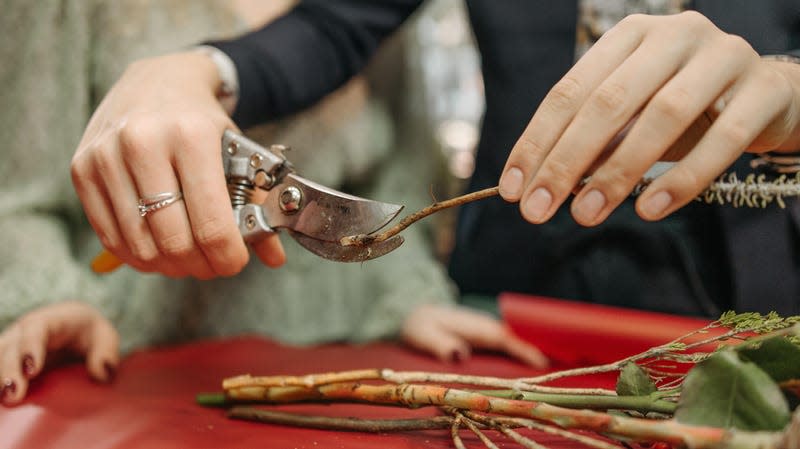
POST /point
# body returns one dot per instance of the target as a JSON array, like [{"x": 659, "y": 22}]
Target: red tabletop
[{"x": 151, "y": 403}]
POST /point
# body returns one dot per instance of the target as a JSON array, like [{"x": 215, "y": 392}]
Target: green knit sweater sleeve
[{"x": 45, "y": 105}]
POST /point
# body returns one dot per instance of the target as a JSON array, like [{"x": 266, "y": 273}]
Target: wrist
[{"x": 226, "y": 85}]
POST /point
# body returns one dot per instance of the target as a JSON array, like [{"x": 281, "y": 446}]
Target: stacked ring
[{"x": 159, "y": 201}]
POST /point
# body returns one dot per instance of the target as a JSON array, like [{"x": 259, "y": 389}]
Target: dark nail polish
[
  {"x": 9, "y": 388},
  {"x": 456, "y": 356},
  {"x": 111, "y": 371},
  {"x": 28, "y": 366}
]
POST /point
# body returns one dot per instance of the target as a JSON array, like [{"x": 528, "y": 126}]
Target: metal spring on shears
[{"x": 240, "y": 191}]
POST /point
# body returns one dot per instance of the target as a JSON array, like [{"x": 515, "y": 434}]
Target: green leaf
[
  {"x": 633, "y": 381},
  {"x": 777, "y": 356},
  {"x": 726, "y": 391}
]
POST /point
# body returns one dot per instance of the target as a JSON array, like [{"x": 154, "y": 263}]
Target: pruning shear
[{"x": 267, "y": 196}]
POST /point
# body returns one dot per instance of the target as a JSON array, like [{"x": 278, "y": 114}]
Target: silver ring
[{"x": 158, "y": 201}]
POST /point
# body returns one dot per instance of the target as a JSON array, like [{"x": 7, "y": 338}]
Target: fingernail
[
  {"x": 589, "y": 206},
  {"x": 456, "y": 356},
  {"x": 111, "y": 371},
  {"x": 9, "y": 388},
  {"x": 511, "y": 183},
  {"x": 28, "y": 366},
  {"x": 538, "y": 204},
  {"x": 654, "y": 206}
]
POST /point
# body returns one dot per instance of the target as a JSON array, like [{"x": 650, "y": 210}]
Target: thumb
[{"x": 102, "y": 352}]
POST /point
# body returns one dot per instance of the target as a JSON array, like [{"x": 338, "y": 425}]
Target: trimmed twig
[
  {"x": 457, "y": 442},
  {"x": 482, "y": 436},
  {"x": 310, "y": 380},
  {"x": 506, "y": 423},
  {"x": 521, "y": 440},
  {"x": 366, "y": 239},
  {"x": 496, "y": 424},
  {"x": 402, "y": 377},
  {"x": 661, "y": 351},
  {"x": 342, "y": 424},
  {"x": 669, "y": 431},
  {"x": 642, "y": 404}
]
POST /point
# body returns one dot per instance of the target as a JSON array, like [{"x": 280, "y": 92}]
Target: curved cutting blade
[
  {"x": 353, "y": 253},
  {"x": 323, "y": 213},
  {"x": 318, "y": 217}
]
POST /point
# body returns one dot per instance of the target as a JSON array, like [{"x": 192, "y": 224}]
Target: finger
[
  {"x": 442, "y": 344},
  {"x": 423, "y": 329},
  {"x": 13, "y": 385},
  {"x": 32, "y": 347},
  {"x": 151, "y": 172},
  {"x": 98, "y": 209},
  {"x": 606, "y": 112},
  {"x": 561, "y": 104},
  {"x": 199, "y": 162},
  {"x": 485, "y": 332},
  {"x": 671, "y": 112},
  {"x": 270, "y": 251},
  {"x": 102, "y": 352},
  {"x": 121, "y": 193},
  {"x": 524, "y": 351},
  {"x": 758, "y": 100}
]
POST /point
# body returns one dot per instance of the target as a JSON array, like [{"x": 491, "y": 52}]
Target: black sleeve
[{"x": 313, "y": 49}]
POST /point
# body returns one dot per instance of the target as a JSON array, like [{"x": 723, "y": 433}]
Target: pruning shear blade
[
  {"x": 323, "y": 216},
  {"x": 336, "y": 252}
]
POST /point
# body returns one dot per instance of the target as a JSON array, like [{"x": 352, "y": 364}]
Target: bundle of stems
[
  {"x": 475, "y": 406},
  {"x": 505, "y": 404}
]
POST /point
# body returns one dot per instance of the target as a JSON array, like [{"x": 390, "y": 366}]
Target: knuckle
[
  {"x": 103, "y": 161},
  {"x": 79, "y": 169},
  {"x": 632, "y": 20},
  {"x": 775, "y": 81},
  {"x": 686, "y": 181},
  {"x": 213, "y": 234},
  {"x": 673, "y": 105},
  {"x": 734, "y": 43},
  {"x": 733, "y": 132},
  {"x": 178, "y": 246},
  {"x": 529, "y": 145},
  {"x": 609, "y": 99},
  {"x": 187, "y": 131},
  {"x": 143, "y": 250},
  {"x": 558, "y": 173},
  {"x": 565, "y": 95},
  {"x": 693, "y": 19},
  {"x": 134, "y": 135},
  {"x": 234, "y": 265},
  {"x": 109, "y": 242},
  {"x": 615, "y": 179}
]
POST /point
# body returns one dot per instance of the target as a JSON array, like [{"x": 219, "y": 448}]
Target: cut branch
[
  {"x": 402, "y": 377},
  {"x": 367, "y": 239},
  {"x": 343, "y": 424},
  {"x": 505, "y": 423}
]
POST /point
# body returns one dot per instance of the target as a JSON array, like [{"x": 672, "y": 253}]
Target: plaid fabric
[{"x": 598, "y": 16}]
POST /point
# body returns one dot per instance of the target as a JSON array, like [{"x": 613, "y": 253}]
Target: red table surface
[{"x": 151, "y": 403}]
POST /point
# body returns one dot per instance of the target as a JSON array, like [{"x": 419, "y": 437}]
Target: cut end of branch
[
  {"x": 368, "y": 239},
  {"x": 358, "y": 240}
]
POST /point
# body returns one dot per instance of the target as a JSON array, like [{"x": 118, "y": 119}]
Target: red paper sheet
[
  {"x": 151, "y": 403},
  {"x": 577, "y": 333}
]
